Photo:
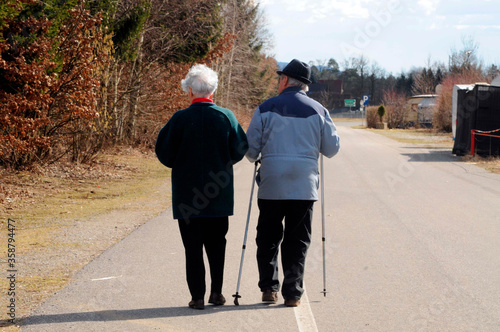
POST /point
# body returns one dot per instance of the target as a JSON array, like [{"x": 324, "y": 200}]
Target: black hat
[{"x": 298, "y": 70}]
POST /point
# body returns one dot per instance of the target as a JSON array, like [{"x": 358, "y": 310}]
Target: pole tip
[{"x": 236, "y": 297}]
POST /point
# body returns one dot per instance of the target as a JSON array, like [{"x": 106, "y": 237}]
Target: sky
[{"x": 398, "y": 35}]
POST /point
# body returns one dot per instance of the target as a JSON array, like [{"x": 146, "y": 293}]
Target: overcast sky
[{"x": 397, "y": 34}]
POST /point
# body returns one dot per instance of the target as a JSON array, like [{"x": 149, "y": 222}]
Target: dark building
[
  {"x": 479, "y": 109},
  {"x": 330, "y": 93}
]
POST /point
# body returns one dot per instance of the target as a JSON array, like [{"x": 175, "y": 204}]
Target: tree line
[
  {"x": 361, "y": 77},
  {"x": 77, "y": 76}
]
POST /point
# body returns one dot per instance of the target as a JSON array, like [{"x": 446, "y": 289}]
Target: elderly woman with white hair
[{"x": 201, "y": 144}]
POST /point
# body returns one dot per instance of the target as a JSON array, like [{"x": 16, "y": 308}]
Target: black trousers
[
  {"x": 294, "y": 237},
  {"x": 210, "y": 233}
]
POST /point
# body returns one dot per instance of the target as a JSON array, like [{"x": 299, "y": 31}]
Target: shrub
[
  {"x": 371, "y": 116},
  {"x": 381, "y": 112},
  {"x": 397, "y": 109},
  {"x": 48, "y": 88}
]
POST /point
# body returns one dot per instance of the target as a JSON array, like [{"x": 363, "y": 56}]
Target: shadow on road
[
  {"x": 134, "y": 314},
  {"x": 430, "y": 155}
]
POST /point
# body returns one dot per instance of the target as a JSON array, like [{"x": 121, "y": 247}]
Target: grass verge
[{"x": 424, "y": 137}]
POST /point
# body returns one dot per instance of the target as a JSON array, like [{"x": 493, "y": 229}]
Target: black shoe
[
  {"x": 197, "y": 304},
  {"x": 269, "y": 296},
  {"x": 216, "y": 299},
  {"x": 292, "y": 303}
]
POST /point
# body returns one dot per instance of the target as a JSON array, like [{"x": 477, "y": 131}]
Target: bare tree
[
  {"x": 148, "y": 37},
  {"x": 492, "y": 72},
  {"x": 361, "y": 64},
  {"x": 246, "y": 73},
  {"x": 425, "y": 80},
  {"x": 465, "y": 59},
  {"x": 374, "y": 75}
]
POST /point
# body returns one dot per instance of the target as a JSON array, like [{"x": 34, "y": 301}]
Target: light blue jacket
[{"x": 288, "y": 132}]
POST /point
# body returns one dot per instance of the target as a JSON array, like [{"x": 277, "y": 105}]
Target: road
[{"x": 412, "y": 244}]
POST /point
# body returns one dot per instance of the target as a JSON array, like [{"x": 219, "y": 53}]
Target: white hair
[
  {"x": 202, "y": 80},
  {"x": 296, "y": 82}
]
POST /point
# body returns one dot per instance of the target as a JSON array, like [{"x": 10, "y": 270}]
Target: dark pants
[
  {"x": 296, "y": 236},
  {"x": 209, "y": 233}
]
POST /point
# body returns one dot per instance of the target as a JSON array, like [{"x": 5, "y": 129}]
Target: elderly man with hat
[{"x": 287, "y": 134}]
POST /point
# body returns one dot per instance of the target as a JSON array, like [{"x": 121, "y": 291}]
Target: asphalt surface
[{"x": 412, "y": 244}]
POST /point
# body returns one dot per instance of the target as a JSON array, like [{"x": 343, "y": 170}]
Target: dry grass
[
  {"x": 77, "y": 190},
  {"x": 60, "y": 213},
  {"x": 424, "y": 137},
  {"x": 347, "y": 120},
  {"x": 491, "y": 164}
]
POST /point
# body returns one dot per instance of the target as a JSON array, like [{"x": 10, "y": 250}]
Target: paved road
[{"x": 413, "y": 244}]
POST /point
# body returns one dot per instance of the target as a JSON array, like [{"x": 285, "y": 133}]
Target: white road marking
[
  {"x": 106, "y": 278},
  {"x": 304, "y": 316}
]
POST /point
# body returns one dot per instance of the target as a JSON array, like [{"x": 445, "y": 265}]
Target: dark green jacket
[{"x": 201, "y": 144}]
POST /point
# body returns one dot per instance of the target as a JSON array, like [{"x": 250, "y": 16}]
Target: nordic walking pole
[
  {"x": 237, "y": 296},
  {"x": 323, "y": 223}
]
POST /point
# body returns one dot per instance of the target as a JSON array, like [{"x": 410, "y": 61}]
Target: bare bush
[
  {"x": 397, "y": 109},
  {"x": 371, "y": 116},
  {"x": 442, "y": 114}
]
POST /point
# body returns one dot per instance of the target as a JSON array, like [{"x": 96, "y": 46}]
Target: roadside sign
[
  {"x": 366, "y": 99},
  {"x": 350, "y": 102}
]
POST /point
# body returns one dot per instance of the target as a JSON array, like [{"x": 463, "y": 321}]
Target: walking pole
[
  {"x": 237, "y": 296},
  {"x": 323, "y": 222}
]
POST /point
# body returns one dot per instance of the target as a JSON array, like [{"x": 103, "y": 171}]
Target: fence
[
  {"x": 475, "y": 132},
  {"x": 349, "y": 115}
]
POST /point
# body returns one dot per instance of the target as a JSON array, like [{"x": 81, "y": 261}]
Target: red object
[
  {"x": 475, "y": 132},
  {"x": 202, "y": 100},
  {"x": 472, "y": 142}
]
